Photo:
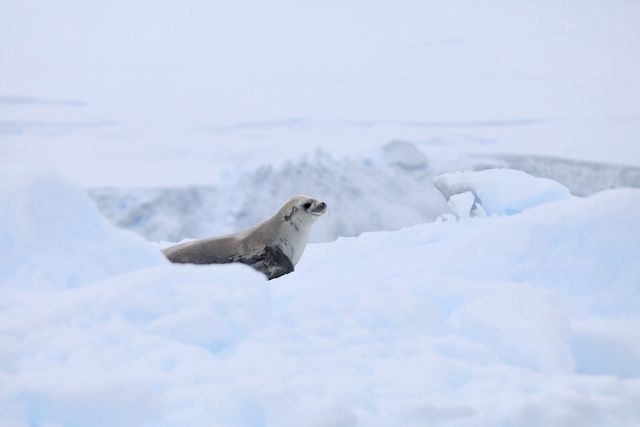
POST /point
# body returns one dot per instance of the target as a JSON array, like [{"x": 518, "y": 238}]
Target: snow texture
[
  {"x": 48, "y": 224},
  {"x": 462, "y": 204},
  {"x": 583, "y": 178},
  {"x": 530, "y": 320},
  {"x": 501, "y": 191}
]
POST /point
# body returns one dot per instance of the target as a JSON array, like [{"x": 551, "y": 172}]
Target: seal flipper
[{"x": 271, "y": 261}]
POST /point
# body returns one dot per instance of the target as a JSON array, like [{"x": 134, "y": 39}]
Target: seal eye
[{"x": 306, "y": 206}]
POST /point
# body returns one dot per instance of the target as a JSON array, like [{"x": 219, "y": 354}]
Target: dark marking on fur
[
  {"x": 270, "y": 261},
  {"x": 288, "y": 217}
]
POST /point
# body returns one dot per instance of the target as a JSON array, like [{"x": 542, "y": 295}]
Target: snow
[
  {"x": 385, "y": 191},
  {"x": 405, "y": 155},
  {"x": 582, "y": 178},
  {"x": 462, "y": 204},
  {"x": 527, "y": 319},
  {"x": 38, "y": 213},
  {"x": 504, "y": 292},
  {"x": 501, "y": 191}
]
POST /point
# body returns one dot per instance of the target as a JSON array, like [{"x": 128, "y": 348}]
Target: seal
[{"x": 272, "y": 247}]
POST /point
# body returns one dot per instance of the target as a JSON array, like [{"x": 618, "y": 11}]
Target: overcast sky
[{"x": 406, "y": 58}]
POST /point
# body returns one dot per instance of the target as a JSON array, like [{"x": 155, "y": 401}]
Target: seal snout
[{"x": 319, "y": 208}]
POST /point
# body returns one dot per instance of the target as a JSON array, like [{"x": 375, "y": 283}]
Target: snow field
[{"x": 529, "y": 319}]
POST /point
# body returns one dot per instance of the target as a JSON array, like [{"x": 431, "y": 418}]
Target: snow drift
[
  {"x": 52, "y": 235},
  {"x": 528, "y": 319},
  {"x": 501, "y": 191}
]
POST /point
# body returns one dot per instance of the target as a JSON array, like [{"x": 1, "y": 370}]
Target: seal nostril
[{"x": 323, "y": 205}]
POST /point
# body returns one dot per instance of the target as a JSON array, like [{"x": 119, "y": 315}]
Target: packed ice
[{"x": 501, "y": 191}]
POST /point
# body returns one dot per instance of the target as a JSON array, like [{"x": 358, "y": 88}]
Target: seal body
[{"x": 272, "y": 247}]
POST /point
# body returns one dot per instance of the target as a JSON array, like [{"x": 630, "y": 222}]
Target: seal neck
[{"x": 294, "y": 232}]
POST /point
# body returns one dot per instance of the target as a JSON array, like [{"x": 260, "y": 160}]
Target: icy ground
[{"x": 529, "y": 319}]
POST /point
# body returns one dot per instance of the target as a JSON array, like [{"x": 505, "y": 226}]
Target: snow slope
[
  {"x": 527, "y": 319},
  {"x": 46, "y": 223}
]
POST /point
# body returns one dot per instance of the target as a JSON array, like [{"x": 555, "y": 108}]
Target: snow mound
[
  {"x": 404, "y": 155},
  {"x": 362, "y": 194},
  {"x": 52, "y": 235},
  {"x": 529, "y": 319},
  {"x": 501, "y": 191},
  {"x": 560, "y": 246}
]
